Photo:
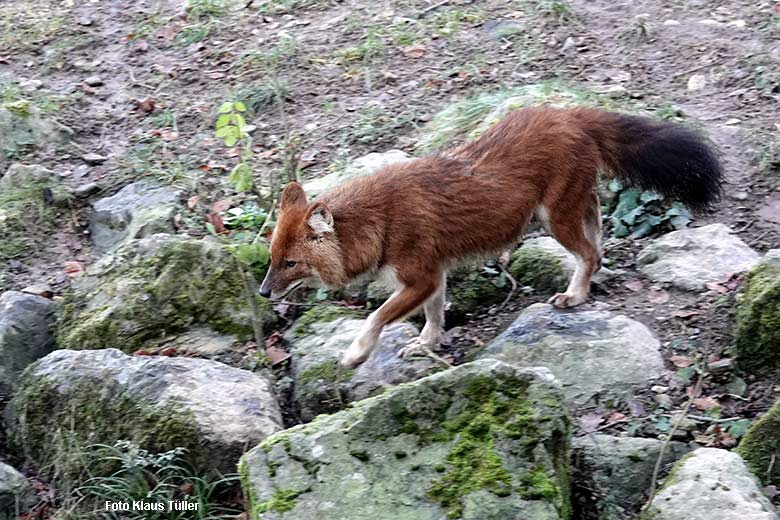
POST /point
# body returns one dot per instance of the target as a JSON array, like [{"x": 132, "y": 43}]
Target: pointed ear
[
  {"x": 292, "y": 197},
  {"x": 320, "y": 219}
]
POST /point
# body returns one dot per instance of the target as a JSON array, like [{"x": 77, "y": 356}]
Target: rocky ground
[{"x": 121, "y": 265}]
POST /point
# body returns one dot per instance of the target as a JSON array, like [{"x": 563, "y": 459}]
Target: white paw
[
  {"x": 565, "y": 300},
  {"x": 357, "y": 353},
  {"x": 416, "y": 347}
]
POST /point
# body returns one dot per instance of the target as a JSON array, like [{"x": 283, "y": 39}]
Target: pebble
[
  {"x": 85, "y": 190},
  {"x": 697, "y": 82},
  {"x": 94, "y": 159},
  {"x": 93, "y": 81}
]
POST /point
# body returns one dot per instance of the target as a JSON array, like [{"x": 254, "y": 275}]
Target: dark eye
[{"x": 289, "y": 264}]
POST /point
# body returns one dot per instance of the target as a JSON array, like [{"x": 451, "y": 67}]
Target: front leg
[
  {"x": 433, "y": 331},
  {"x": 402, "y": 303}
]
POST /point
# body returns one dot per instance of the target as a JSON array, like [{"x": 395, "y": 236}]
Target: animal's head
[{"x": 305, "y": 250}]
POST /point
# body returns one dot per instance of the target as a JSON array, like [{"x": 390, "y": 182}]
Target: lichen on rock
[
  {"x": 154, "y": 286},
  {"x": 481, "y": 441},
  {"x": 758, "y": 319}
]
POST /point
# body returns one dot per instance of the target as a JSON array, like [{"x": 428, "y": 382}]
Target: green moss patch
[
  {"x": 329, "y": 372},
  {"x": 473, "y": 462},
  {"x": 758, "y": 320},
  {"x": 282, "y": 501},
  {"x": 537, "y": 268},
  {"x": 472, "y": 290},
  {"x": 760, "y": 447},
  {"x": 320, "y": 314}
]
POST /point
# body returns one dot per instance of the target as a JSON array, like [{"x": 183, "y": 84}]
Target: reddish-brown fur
[{"x": 422, "y": 217}]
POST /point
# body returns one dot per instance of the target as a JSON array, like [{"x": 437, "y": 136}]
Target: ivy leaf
[
  {"x": 231, "y": 140},
  {"x": 241, "y": 177},
  {"x": 226, "y": 107},
  {"x": 239, "y": 106},
  {"x": 737, "y": 428},
  {"x": 223, "y": 120},
  {"x": 224, "y": 132}
]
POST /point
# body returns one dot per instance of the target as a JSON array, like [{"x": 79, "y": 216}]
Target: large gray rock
[
  {"x": 25, "y": 334},
  {"x": 16, "y": 493},
  {"x": 137, "y": 210},
  {"x": 482, "y": 441},
  {"x": 153, "y": 288},
  {"x": 689, "y": 258},
  {"x": 616, "y": 472},
  {"x": 710, "y": 484},
  {"x": 364, "y": 165},
  {"x": 321, "y": 386},
  {"x": 160, "y": 403},
  {"x": 593, "y": 353}
]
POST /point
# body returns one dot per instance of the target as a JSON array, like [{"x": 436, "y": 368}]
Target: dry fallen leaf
[
  {"x": 658, "y": 296},
  {"x": 590, "y": 422},
  {"x": 216, "y": 221},
  {"x": 616, "y": 417},
  {"x": 74, "y": 268},
  {"x": 705, "y": 403},
  {"x": 276, "y": 355},
  {"x": 633, "y": 285},
  {"x": 686, "y": 314},
  {"x": 415, "y": 51},
  {"x": 192, "y": 202},
  {"x": 681, "y": 361},
  {"x": 221, "y": 205}
]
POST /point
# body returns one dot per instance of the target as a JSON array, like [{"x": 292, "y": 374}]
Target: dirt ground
[{"x": 332, "y": 80}]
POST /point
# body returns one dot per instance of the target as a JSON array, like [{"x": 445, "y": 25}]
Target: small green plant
[
  {"x": 153, "y": 479},
  {"x": 372, "y": 46},
  {"x": 559, "y": 9},
  {"x": 207, "y": 8},
  {"x": 638, "y": 213},
  {"x": 231, "y": 128},
  {"x": 248, "y": 216},
  {"x": 259, "y": 97}
]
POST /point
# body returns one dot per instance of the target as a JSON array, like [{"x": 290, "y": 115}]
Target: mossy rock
[
  {"x": 539, "y": 269},
  {"x": 481, "y": 441},
  {"x": 760, "y": 447},
  {"x": 23, "y": 130},
  {"x": 320, "y": 314},
  {"x": 469, "y": 117},
  {"x": 758, "y": 320},
  {"x": 32, "y": 200},
  {"x": 70, "y": 401},
  {"x": 155, "y": 286}
]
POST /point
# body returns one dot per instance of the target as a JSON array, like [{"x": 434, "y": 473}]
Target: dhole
[{"x": 409, "y": 223}]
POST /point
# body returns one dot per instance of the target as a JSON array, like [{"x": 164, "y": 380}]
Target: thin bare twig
[
  {"x": 675, "y": 426},
  {"x": 434, "y": 7},
  {"x": 512, "y": 281}
]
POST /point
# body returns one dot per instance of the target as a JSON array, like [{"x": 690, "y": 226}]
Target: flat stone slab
[
  {"x": 690, "y": 258},
  {"x": 593, "y": 353}
]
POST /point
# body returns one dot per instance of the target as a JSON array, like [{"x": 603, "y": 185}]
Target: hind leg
[{"x": 581, "y": 236}]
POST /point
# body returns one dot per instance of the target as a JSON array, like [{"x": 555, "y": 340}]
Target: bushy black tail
[{"x": 668, "y": 158}]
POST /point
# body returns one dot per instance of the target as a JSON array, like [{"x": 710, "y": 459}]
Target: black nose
[{"x": 265, "y": 293}]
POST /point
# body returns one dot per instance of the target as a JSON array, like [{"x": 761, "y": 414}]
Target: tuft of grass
[
  {"x": 284, "y": 6},
  {"x": 197, "y": 9},
  {"x": 258, "y": 97},
  {"x": 154, "y": 479},
  {"x": 561, "y": 10}
]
